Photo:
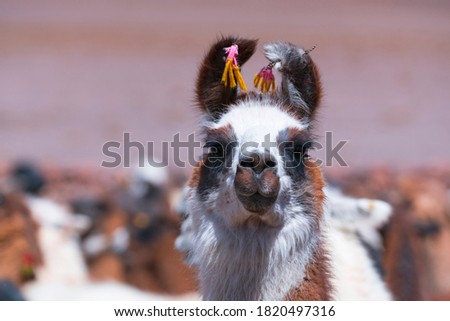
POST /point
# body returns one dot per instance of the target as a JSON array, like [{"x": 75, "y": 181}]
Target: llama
[
  {"x": 356, "y": 245},
  {"x": 257, "y": 214},
  {"x": 352, "y": 236},
  {"x": 418, "y": 240},
  {"x": 132, "y": 234},
  {"x": 60, "y": 272},
  {"x": 417, "y": 237},
  {"x": 57, "y": 235},
  {"x": 257, "y": 227},
  {"x": 58, "y": 238},
  {"x": 20, "y": 255}
]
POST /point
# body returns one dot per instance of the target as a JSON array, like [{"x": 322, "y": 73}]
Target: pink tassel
[
  {"x": 231, "y": 76},
  {"x": 265, "y": 79}
]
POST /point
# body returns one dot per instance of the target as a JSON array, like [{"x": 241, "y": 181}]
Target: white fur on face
[
  {"x": 251, "y": 122},
  {"x": 254, "y": 263},
  {"x": 238, "y": 261}
]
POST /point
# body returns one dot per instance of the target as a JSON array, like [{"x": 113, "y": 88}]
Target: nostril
[
  {"x": 257, "y": 162},
  {"x": 270, "y": 163},
  {"x": 247, "y": 163}
]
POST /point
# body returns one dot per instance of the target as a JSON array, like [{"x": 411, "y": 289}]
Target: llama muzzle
[{"x": 256, "y": 182}]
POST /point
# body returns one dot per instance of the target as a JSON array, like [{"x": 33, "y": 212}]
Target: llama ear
[
  {"x": 300, "y": 86},
  {"x": 213, "y": 96}
]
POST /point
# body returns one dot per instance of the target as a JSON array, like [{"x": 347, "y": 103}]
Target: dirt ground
[{"x": 76, "y": 74}]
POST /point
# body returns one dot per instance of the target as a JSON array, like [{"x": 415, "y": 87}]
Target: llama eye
[
  {"x": 302, "y": 150},
  {"x": 427, "y": 228},
  {"x": 214, "y": 156},
  {"x": 299, "y": 152},
  {"x": 295, "y": 152},
  {"x": 214, "y": 149}
]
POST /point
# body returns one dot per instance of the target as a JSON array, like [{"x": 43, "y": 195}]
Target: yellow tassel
[
  {"x": 225, "y": 72},
  {"x": 256, "y": 80},
  {"x": 240, "y": 80},
  {"x": 231, "y": 74},
  {"x": 264, "y": 84},
  {"x": 264, "y": 79}
]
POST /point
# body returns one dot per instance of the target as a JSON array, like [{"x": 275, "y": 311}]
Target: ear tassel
[
  {"x": 26, "y": 270},
  {"x": 231, "y": 76},
  {"x": 265, "y": 79}
]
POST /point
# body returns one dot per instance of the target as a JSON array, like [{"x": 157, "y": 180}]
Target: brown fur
[
  {"x": 18, "y": 239},
  {"x": 107, "y": 266},
  {"x": 255, "y": 182},
  {"x": 153, "y": 265},
  {"x": 195, "y": 177},
  {"x": 416, "y": 261},
  {"x": 315, "y": 285},
  {"x": 213, "y": 97},
  {"x": 317, "y": 183},
  {"x": 159, "y": 267}
]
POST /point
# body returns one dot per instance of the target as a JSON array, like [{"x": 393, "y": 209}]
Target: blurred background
[{"x": 77, "y": 74}]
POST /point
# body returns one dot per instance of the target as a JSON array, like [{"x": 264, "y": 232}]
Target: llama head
[
  {"x": 18, "y": 237},
  {"x": 256, "y": 170}
]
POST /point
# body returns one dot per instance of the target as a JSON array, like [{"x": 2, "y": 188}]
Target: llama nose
[{"x": 258, "y": 162}]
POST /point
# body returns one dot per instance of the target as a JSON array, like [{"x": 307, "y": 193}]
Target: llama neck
[
  {"x": 316, "y": 283},
  {"x": 262, "y": 264}
]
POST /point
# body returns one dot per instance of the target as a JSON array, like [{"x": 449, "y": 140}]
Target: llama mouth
[
  {"x": 257, "y": 191},
  {"x": 257, "y": 203}
]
